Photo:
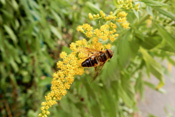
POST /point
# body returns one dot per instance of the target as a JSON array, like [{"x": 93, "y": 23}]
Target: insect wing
[
  {"x": 97, "y": 70},
  {"x": 91, "y": 52}
]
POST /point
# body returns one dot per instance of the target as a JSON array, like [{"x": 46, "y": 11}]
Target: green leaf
[
  {"x": 148, "y": 41},
  {"x": 127, "y": 87},
  {"x": 56, "y": 32},
  {"x": 120, "y": 92},
  {"x": 93, "y": 8},
  {"x": 152, "y": 86},
  {"x": 89, "y": 89},
  {"x": 166, "y": 36},
  {"x": 11, "y": 33},
  {"x": 3, "y": 2},
  {"x": 151, "y": 115},
  {"x": 45, "y": 81},
  {"x": 153, "y": 66},
  {"x": 109, "y": 103},
  {"x": 31, "y": 113},
  {"x": 166, "y": 13},
  {"x": 13, "y": 79},
  {"x": 126, "y": 99},
  {"x": 149, "y": 10},
  {"x": 95, "y": 109},
  {"x": 26, "y": 79},
  {"x": 58, "y": 19},
  {"x": 153, "y": 3},
  {"x": 123, "y": 50},
  {"x": 14, "y": 65},
  {"x": 14, "y": 4},
  {"x": 170, "y": 59},
  {"x": 136, "y": 13},
  {"x": 66, "y": 49},
  {"x": 75, "y": 111},
  {"x": 109, "y": 71},
  {"x": 65, "y": 105},
  {"x": 139, "y": 86}
]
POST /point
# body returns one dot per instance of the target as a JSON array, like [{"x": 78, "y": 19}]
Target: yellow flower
[
  {"x": 122, "y": 14},
  {"x": 63, "y": 54},
  {"x": 125, "y": 25},
  {"x": 90, "y": 16},
  {"x": 102, "y": 14},
  {"x": 89, "y": 34},
  {"x": 73, "y": 46},
  {"x": 47, "y": 113},
  {"x": 79, "y": 28},
  {"x": 112, "y": 38},
  {"x": 108, "y": 46}
]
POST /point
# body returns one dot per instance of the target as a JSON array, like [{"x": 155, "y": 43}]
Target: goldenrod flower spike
[{"x": 70, "y": 66}]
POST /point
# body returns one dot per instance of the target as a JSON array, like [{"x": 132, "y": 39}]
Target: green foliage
[{"x": 33, "y": 32}]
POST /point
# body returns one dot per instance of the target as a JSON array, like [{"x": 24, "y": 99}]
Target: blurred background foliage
[{"x": 34, "y": 32}]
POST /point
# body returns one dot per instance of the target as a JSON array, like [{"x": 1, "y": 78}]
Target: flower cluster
[
  {"x": 102, "y": 37},
  {"x": 112, "y": 18},
  {"x": 127, "y": 4},
  {"x": 64, "y": 77},
  {"x": 99, "y": 39}
]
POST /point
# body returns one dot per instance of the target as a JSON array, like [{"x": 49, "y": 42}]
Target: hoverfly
[{"x": 97, "y": 58}]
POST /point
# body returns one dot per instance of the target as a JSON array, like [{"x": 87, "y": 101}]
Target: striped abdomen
[
  {"x": 97, "y": 60},
  {"x": 89, "y": 62}
]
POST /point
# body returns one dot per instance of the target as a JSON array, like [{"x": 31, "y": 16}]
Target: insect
[{"x": 98, "y": 58}]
